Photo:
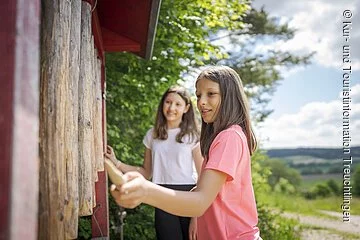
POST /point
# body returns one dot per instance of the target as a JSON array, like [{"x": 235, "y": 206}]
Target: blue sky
[
  {"x": 314, "y": 83},
  {"x": 307, "y": 104}
]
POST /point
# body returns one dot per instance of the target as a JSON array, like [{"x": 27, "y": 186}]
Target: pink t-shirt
[{"x": 233, "y": 213}]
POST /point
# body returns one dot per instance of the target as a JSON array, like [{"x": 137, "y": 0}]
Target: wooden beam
[
  {"x": 19, "y": 120},
  {"x": 54, "y": 69},
  {"x": 86, "y": 196},
  {"x": 151, "y": 30},
  {"x": 71, "y": 143},
  {"x": 96, "y": 30}
]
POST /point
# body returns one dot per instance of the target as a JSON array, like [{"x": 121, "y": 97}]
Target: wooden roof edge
[{"x": 154, "y": 16}]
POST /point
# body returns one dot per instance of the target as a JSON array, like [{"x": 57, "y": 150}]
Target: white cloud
[
  {"x": 355, "y": 94},
  {"x": 319, "y": 28},
  {"x": 317, "y": 124}
]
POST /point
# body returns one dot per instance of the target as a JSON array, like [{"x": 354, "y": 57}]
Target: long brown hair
[
  {"x": 188, "y": 124},
  {"x": 234, "y": 108}
]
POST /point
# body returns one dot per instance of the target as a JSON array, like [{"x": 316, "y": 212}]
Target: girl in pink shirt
[{"x": 223, "y": 200}]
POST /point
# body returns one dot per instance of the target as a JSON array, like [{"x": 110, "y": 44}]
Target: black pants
[{"x": 172, "y": 227}]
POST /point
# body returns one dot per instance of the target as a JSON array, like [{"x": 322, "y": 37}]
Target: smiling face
[
  {"x": 208, "y": 99},
  {"x": 174, "y": 108}
]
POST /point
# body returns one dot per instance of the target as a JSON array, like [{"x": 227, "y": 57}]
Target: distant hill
[{"x": 325, "y": 153}]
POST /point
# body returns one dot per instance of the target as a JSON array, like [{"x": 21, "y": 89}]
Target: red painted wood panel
[
  {"x": 129, "y": 20},
  {"x": 114, "y": 42},
  {"x": 7, "y": 53},
  {"x": 19, "y": 117},
  {"x": 100, "y": 218}
]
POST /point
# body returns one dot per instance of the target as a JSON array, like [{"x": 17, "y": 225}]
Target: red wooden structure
[
  {"x": 127, "y": 25},
  {"x": 19, "y": 104},
  {"x": 120, "y": 26}
]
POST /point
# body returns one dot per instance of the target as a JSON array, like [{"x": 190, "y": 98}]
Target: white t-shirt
[{"x": 172, "y": 162}]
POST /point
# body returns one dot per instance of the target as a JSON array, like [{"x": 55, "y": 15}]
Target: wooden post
[
  {"x": 99, "y": 154},
  {"x": 19, "y": 121},
  {"x": 92, "y": 104},
  {"x": 85, "y": 116},
  {"x": 55, "y": 36},
  {"x": 71, "y": 146},
  {"x": 92, "y": 76}
]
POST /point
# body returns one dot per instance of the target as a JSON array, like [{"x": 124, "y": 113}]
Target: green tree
[
  {"x": 279, "y": 170},
  {"x": 283, "y": 186},
  {"x": 334, "y": 186}
]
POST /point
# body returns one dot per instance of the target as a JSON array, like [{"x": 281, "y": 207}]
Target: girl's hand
[
  {"x": 193, "y": 229},
  {"x": 110, "y": 154},
  {"x": 132, "y": 193}
]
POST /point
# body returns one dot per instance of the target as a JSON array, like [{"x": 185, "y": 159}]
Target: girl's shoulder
[
  {"x": 150, "y": 131},
  {"x": 190, "y": 139},
  {"x": 148, "y": 138},
  {"x": 149, "y": 134},
  {"x": 231, "y": 133},
  {"x": 233, "y": 129}
]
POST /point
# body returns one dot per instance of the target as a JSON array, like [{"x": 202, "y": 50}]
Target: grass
[{"x": 298, "y": 204}]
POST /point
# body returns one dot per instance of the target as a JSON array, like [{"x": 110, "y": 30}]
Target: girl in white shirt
[{"x": 172, "y": 158}]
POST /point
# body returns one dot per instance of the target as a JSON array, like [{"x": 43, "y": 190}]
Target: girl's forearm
[
  {"x": 128, "y": 168},
  {"x": 181, "y": 203}
]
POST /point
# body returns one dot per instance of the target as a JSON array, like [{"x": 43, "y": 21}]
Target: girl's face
[
  {"x": 208, "y": 99},
  {"x": 174, "y": 108}
]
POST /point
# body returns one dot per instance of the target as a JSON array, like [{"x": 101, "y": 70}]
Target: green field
[
  {"x": 298, "y": 204},
  {"x": 311, "y": 180}
]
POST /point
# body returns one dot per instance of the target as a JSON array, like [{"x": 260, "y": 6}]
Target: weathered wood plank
[
  {"x": 85, "y": 116},
  {"x": 55, "y": 33},
  {"x": 71, "y": 145},
  {"x": 99, "y": 154},
  {"x": 92, "y": 99}
]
